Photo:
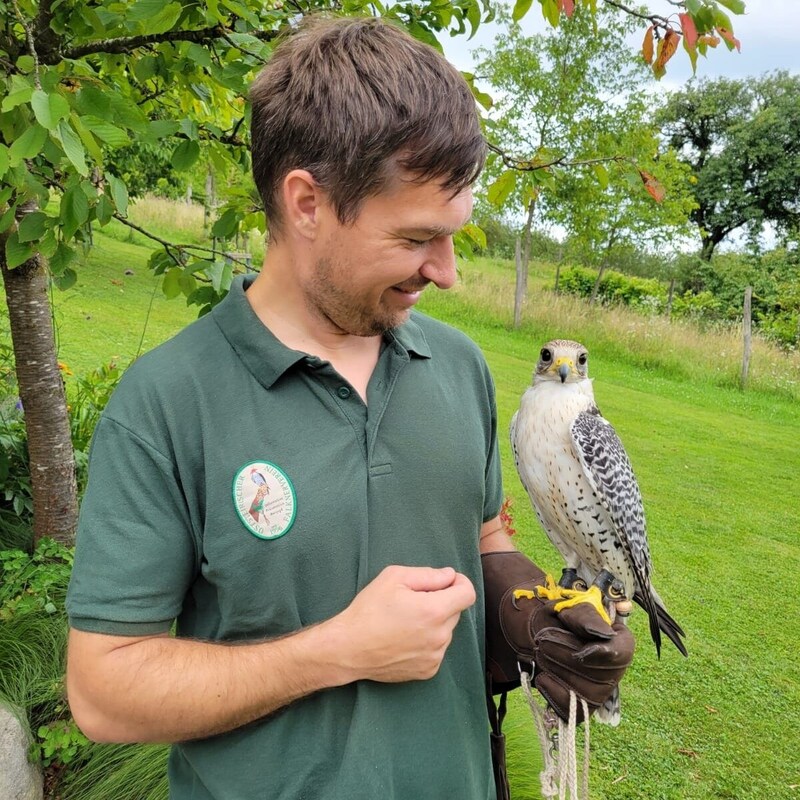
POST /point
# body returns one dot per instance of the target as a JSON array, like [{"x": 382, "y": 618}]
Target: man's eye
[{"x": 417, "y": 242}]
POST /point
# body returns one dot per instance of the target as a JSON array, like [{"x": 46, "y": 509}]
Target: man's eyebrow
[{"x": 428, "y": 231}]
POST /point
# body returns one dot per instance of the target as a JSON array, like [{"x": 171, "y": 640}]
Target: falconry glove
[{"x": 572, "y": 649}]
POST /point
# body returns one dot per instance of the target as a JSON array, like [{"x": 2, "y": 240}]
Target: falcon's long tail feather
[{"x": 660, "y": 621}]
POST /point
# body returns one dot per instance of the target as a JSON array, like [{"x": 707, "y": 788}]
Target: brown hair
[{"x": 347, "y": 99}]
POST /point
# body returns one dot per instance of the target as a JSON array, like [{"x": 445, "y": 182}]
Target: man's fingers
[{"x": 424, "y": 579}]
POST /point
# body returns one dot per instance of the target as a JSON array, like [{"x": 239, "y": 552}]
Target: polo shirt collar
[{"x": 264, "y": 355}]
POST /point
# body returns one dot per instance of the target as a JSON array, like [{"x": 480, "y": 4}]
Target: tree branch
[
  {"x": 528, "y": 165},
  {"x": 127, "y": 44},
  {"x": 173, "y": 248}
]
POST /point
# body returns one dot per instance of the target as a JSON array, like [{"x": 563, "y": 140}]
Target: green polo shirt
[{"x": 246, "y": 491}]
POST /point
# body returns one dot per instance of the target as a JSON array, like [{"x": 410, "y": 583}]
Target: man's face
[{"x": 369, "y": 274}]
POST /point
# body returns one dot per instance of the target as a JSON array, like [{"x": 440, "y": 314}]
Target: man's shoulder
[{"x": 167, "y": 373}]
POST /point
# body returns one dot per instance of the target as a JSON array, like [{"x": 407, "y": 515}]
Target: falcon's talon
[{"x": 593, "y": 596}]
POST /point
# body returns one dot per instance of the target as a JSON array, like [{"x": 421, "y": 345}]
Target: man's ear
[{"x": 303, "y": 200}]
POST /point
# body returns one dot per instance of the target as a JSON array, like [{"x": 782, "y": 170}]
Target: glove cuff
[{"x": 506, "y": 641}]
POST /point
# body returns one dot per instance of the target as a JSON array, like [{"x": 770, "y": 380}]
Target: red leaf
[
  {"x": 568, "y": 7},
  {"x": 647, "y": 45},
  {"x": 730, "y": 39},
  {"x": 506, "y": 518},
  {"x": 666, "y": 49},
  {"x": 689, "y": 31},
  {"x": 653, "y": 187}
]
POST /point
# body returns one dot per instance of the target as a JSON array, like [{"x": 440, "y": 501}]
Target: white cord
[{"x": 557, "y": 740}]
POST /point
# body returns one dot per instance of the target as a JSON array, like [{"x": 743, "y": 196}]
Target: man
[{"x": 305, "y": 477}]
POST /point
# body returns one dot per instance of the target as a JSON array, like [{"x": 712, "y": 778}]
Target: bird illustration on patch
[{"x": 257, "y": 506}]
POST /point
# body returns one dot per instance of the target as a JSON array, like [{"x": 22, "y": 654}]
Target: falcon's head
[{"x": 562, "y": 360}]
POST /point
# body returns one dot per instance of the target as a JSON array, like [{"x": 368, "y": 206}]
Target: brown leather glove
[{"x": 572, "y": 649}]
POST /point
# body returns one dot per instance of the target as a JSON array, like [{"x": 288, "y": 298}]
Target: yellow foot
[
  {"x": 593, "y": 596},
  {"x": 567, "y": 598}
]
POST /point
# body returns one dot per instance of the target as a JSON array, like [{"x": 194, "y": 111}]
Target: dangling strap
[
  {"x": 497, "y": 713},
  {"x": 558, "y": 742}
]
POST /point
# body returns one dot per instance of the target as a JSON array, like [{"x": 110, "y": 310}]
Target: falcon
[{"x": 582, "y": 487}]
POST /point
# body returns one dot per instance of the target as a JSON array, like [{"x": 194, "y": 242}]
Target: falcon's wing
[{"x": 608, "y": 469}]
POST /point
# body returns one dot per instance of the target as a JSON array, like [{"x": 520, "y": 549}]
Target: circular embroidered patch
[{"x": 264, "y": 499}]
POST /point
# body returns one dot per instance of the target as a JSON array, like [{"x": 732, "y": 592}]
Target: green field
[{"x": 718, "y": 470}]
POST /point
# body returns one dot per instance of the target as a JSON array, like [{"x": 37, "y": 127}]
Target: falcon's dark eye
[
  {"x": 582, "y": 358},
  {"x": 546, "y": 355}
]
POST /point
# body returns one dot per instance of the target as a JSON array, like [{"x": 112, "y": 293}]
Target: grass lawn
[{"x": 718, "y": 471}]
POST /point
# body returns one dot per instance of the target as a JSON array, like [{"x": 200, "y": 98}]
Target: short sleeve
[
  {"x": 135, "y": 557},
  {"x": 493, "y": 496}
]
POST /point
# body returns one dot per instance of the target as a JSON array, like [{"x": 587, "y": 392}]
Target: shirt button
[{"x": 343, "y": 392}]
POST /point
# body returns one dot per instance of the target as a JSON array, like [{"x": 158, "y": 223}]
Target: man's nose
[{"x": 440, "y": 264}]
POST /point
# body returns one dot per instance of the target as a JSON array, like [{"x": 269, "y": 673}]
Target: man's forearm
[
  {"x": 163, "y": 689},
  {"x": 160, "y": 689}
]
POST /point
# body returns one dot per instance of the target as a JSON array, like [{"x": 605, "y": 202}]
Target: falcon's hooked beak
[{"x": 564, "y": 366}]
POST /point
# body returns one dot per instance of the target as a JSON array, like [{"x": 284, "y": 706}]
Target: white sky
[{"x": 769, "y": 33}]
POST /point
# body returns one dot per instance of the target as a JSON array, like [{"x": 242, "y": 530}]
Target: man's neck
[{"x": 279, "y": 304}]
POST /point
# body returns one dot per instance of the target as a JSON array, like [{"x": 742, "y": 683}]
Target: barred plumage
[{"x": 582, "y": 486}]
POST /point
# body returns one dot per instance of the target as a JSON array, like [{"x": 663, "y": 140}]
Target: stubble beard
[{"x": 329, "y": 301}]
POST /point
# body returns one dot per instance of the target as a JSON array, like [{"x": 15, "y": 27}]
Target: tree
[
  {"x": 741, "y": 140},
  {"x": 572, "y": 102},
  {"x": 81, "y": 80}
]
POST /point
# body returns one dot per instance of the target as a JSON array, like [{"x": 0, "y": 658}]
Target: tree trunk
[
  {"x": 747, "y": 335},
  {"x": 41, "y": 390},
  {"x": 708, "y": 248},
  {"x": 519, "y": 286}
]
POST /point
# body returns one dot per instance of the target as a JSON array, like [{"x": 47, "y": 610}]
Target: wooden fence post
[
  {"x": 747, "y": 334},
  {"x": 519, "y": 289}
]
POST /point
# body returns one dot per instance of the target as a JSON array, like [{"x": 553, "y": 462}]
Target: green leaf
[
  {"x": 189, "y": 128},
  {"x": 7, "y": 218},
  {"x": 74, "y": 211},
  {"x": 601, "y": 173},
  {"x": 737, "y": 6},
  {"x": 160, "y": 261},
  {"x": 172, "y": 283},
  {"x": 16, "y": 98},
  {"x": 65, "y": 280},
  {"x": 551, "y": 12},
  {"x": 216, "y": 271},
  {"x": 73, "y": 147},
  {"x": 161, "y": 128},
  {"x": 104, "y": 130},
  {"x": 226, "y": 225},
  {"x": 188, "y": 283},
  {"x": 17, "y": 252},
  {"x": 521, "y": 8},
  {"x": 158, "y": 17},
  {"x": 145, "y": 68},
  {"x": 48, "y": 244},
  {"x": 27, "y": 145},
  {"x": 91, "y": 100},
  {"x": 3, "y": 159},
  {"x": 499, "y": 191},
  {"x": 26, "y": 63},
  {"x": 476, "y": 234},
  {"x": 119, "y": 193},
  {"x": 62, "y": 258},
  {"x": 49, "y": 109},
  {"x": 104, "y": 209},
  {"x": 198, "y": 54},
  {"x": 32, "y": 226},
  {"x": 185, "y": 155}
]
